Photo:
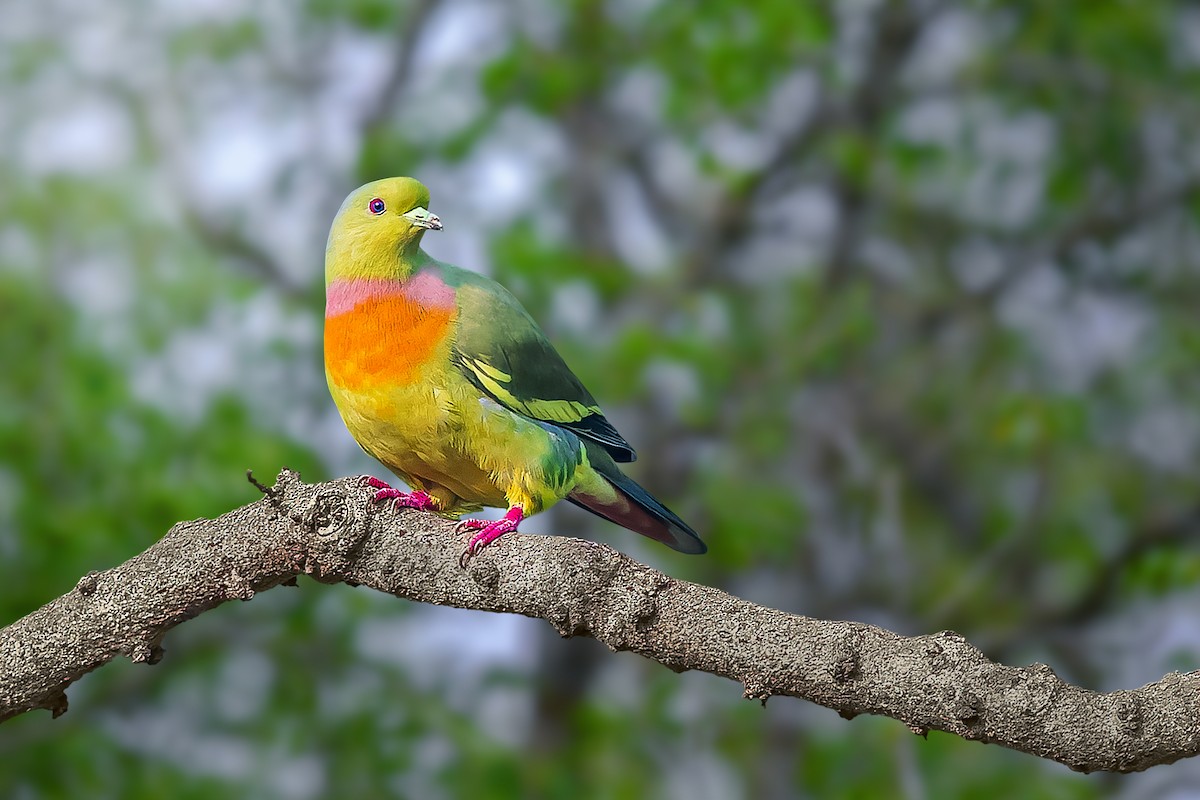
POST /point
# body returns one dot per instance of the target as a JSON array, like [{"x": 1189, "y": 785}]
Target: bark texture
[{"x": 332, "y": 532}]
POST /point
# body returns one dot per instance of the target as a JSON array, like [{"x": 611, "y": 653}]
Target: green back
[{"x": 501, "y": 350}]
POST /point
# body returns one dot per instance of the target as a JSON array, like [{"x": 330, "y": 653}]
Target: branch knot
[
  {"x": 88, "y": 583},
  {"x": 339, "y": 528}
]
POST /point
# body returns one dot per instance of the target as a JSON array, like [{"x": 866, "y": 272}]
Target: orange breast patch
[{"x": 383, "y": 341}]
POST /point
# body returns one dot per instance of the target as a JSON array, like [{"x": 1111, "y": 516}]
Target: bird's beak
[{"x": 423, "y": 219}]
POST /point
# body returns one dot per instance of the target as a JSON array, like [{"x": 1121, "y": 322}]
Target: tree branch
[{"x": 332, "y": 532}]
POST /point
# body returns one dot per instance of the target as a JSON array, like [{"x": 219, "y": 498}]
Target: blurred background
[{"x": 895, "y": 299}]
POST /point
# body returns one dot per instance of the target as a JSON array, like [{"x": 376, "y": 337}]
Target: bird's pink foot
[
  {"x": 373, "y": 482},
  {"x": 488, "y": 532},
  {"x": 418, "y": 499}
]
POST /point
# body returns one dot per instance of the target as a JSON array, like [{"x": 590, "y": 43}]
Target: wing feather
[{"x": 503, "y": 352}]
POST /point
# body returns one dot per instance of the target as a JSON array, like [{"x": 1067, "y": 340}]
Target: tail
[{"x": 619, "y": 499}]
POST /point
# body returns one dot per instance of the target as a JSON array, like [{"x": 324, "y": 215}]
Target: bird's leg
[
  {"x": 419, "y": 499},
  {"x": 488, "y": 531}
]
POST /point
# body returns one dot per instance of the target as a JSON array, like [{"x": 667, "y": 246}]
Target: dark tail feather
[{"x": 632, "y": 507}]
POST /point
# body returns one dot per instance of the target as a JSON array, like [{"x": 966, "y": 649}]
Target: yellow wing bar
[{"x": 493, "y": 379}]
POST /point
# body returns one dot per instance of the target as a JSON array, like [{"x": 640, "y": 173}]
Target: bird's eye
[{"x": 376, "y": 206}]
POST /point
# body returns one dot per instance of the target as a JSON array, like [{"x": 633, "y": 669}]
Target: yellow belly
[
  {"x": 442, "y": 435},
  {"x": 391, "y": 377},
  {"x": 417, "y": 432}
]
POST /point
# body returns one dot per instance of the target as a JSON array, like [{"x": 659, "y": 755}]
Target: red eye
[{"x": 376, "y": 206}]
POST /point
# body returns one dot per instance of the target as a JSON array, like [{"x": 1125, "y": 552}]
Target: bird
[{"x": 441, "y": 375}]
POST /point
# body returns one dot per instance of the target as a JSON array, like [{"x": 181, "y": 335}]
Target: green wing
[{"x": 501, "y": 350}]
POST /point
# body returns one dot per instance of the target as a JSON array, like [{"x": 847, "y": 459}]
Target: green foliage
[
  {"x": 721, "y": 58},
  {"x": 370, "y": 15}
]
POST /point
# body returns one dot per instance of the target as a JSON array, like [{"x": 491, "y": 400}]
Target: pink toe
[
  {"x": 485, "y": 537},
  {"x": 418, "y": 500},
  {"x": 494, "y": 530}
]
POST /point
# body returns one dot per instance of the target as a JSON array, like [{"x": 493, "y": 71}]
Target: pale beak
[{"x": 423, "y": 219}]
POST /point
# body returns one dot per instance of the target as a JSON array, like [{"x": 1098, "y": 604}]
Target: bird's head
[{"x": 378, "y": 230}]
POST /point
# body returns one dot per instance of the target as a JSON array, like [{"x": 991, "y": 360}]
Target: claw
[
  {"x": 419, "y": 500},
  {"x": 488, "y": 532},
  {"x": 470, "y": 525},
  {"x": 373, "y": 482}
]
